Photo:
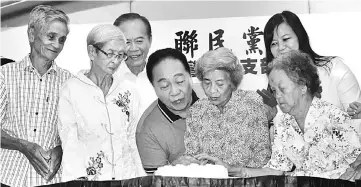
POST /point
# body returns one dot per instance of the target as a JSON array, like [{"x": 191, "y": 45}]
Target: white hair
[
  {"x": 101, "y": 34},
  {"x": 42, "y": 15}
]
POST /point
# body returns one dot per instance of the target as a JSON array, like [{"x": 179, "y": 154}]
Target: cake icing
[{"x": 193, "y": 171}]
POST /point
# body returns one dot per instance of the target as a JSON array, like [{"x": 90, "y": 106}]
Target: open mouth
[
  {"x": 135, "y": 57},
  {"x": 178, "y": 101},
  {"x": 213, "y": 98}
]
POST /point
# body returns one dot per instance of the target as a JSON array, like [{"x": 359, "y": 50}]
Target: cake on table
[{"x": 193, "y": 170}]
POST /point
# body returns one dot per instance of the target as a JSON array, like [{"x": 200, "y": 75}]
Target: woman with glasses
[{"x": 98, "y": 113}]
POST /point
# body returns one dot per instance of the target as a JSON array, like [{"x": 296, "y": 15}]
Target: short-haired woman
[
  {"x": 313, "y": 135},
  {"x": 98, "y": 113},
  {"x": 230, "y": 126}
]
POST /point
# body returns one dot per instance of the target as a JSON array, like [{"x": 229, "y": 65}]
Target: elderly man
[
  {"x": 31, "y": 150},
  {"x": 138, "y": 32},
  {"x": 160, "y": 139}
]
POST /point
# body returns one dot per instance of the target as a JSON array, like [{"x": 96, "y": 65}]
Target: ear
[
  {"x": 191, "y": 81},
  {"x": 150, "y": 41},
  {"x": 31, "y": 35},
  {"x": 91, "y": 52},
  {"x": 304, "y": 89}
]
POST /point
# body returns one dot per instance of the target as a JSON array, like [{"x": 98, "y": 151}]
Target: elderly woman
[
  {"x": 98, "y": 114},
  {"x": 227, "y": 127},
  {"x": 315, "y": 136}
]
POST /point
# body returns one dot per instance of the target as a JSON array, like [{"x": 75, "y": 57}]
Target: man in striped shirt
[{"x": 31, "y": 150}]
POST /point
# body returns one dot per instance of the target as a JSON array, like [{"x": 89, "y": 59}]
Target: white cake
[{"x": 193, "y": 170}]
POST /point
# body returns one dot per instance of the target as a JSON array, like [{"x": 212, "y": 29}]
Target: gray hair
[
  {"x": 42, "y": 15},
  {"x": 220, "y": 59},
  {"x": 101, "y": 34},
  {"x": 300, "y": 68}
]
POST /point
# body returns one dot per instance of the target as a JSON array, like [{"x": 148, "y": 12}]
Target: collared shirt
[
  {"x": 160, "y": 139},
  {"x": 28, "y": 111},
  {"x": 326, "y": 147},
  {"x": 141, "y": 83},
  {"x": 239, "y": 135},
  {"x": 93, "y": 125}
]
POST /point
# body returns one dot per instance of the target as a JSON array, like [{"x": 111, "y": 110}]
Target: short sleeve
[{"x": 151, "y": 152}]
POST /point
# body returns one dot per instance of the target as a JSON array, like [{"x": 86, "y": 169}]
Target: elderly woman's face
[
  {"x": 284, "y": 40},
  {"x": 287, "y": 93},
  {"x": 217, "y": 86},
  {"x": 110, "y": 65}
]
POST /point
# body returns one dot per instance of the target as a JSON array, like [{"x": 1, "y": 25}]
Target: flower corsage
[{"x": 123, "y": 102}]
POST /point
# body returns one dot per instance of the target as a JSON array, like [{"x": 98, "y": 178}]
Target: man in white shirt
[
  {"x": 138, "y": 32},
  {"x": 31, "y": 151}
]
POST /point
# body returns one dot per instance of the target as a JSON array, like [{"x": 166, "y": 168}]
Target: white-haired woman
[
  {"x": 98, "y": 113},
  {"x": 230, "y": 127}
]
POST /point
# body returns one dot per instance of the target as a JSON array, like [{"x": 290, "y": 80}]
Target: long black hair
[{"x": 295, "y": 23}]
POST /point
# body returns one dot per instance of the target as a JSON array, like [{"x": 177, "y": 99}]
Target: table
[{"x": 264, "y": 181}]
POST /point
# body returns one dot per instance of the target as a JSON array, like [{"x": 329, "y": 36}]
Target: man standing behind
[
  {"x": 160, "y": 141},
  {"x": 138, "y": 32},
  {"x": 31, "y": 150}
]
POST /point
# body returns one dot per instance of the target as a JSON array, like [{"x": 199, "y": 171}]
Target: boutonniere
[
  {"x": 94, "y": 166},
  {"x": 123, "y": 102}
]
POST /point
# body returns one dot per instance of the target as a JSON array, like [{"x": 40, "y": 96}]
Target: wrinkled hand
[
  {"x": 239, "y": 172},
  {"x": 268, "y": 98},
  {"x": 354, "y": 110},
  {"x": 56, "y": 155},
  {"x": 37, "y": 157},
  {"x": 186, "y": 160},
  {"x": 348, "y": 175},
  {"x": 205, "y": 157},
  {"x": 271, "y": 112},
  {"x": 356, "y": 166}
]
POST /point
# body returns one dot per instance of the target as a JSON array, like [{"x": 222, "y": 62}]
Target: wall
[{"x": 85, "y": 14}]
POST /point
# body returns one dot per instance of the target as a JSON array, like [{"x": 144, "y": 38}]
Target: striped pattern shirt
[{"x": 28, "y": 110}]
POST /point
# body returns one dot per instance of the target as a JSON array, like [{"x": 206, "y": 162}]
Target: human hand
[
  {"x": 356, "y": 166},
  {"x": 56, "y": 155},
  {"x": 354, "y": 110},
  {"x": 205, "y": 158},
  {"x": 348, "y": 175},
  {"x": 271, "y": 112},
  {"x": 37, "y": 157},
  {"x": 239, "y": 172},
  {"x": 186, "y": 160},
  {"x": 268, "y": 98}
]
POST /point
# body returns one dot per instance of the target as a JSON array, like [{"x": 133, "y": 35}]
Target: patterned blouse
[
  {"x": 239, "y": 136},
  {"x": 325, "y": 149}
]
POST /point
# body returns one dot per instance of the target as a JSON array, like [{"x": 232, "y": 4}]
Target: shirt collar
[
  {"x": 170, "y": 115},
  {"x": 28, "y": 66}
]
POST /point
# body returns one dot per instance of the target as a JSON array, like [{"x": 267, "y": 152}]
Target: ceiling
[{"x": 11, "y": 8}]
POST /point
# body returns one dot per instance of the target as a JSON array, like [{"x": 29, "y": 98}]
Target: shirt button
[
  {"x": 34, "y": 130},
  {"x": 36, "y": 113},
  {"x": 41, "y": 79}
]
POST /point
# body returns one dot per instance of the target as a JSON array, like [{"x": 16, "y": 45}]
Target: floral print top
[
  {"x": 326, "y": 147},
  {"x": 98, "y": 131},
  {"x": 239, "y": 136}
]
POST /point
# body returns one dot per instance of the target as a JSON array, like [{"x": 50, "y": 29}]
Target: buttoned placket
[
  {"x": 107, "y": 126},
  {"x": 33, "y": 126}
]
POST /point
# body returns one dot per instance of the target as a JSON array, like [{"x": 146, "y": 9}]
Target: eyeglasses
[{"x": 121, "y": 56}]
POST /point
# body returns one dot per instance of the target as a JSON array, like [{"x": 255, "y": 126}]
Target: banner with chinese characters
[
  {"x": 329, "y": 34},
  {"x": 244, "y": 36}
]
